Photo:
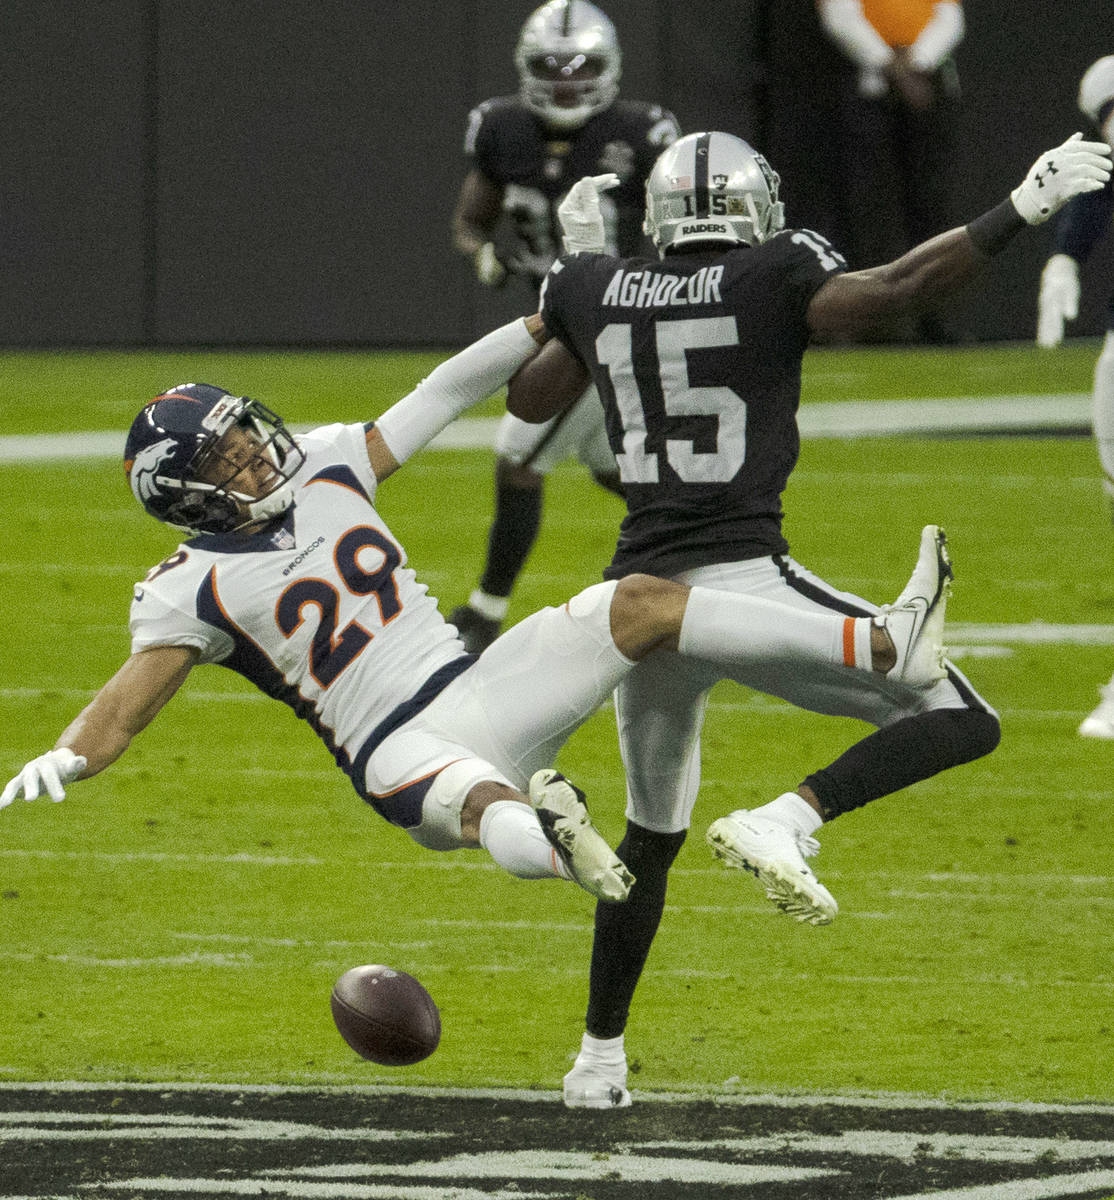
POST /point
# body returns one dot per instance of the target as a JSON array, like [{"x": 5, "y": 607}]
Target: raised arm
[
  {"x": 103, "y": 730},
  {"x": 856, "y": 303},
  {"x": 456, "y": 385}
]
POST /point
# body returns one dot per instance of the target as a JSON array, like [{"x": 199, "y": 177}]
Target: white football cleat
[
  {"x": 915, "y": 620},
  {"x": 775, "y": 855},
  {"x": 565, "y": 822},
  {"x": 1100, "y": 723},
  {"x": 596, "y": 1085}
]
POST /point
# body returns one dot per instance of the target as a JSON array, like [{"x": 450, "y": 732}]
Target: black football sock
[
  {"x": 906, "y": 752},
  {"x": 518, "y": 516},
  {"x": 624, "y": 932}
]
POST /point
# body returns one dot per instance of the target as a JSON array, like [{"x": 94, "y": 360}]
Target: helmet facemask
[
  {"x": 254, "y": 446},
  {"x": 568, "y": 63},
  {"x": 207, "y": 462}
]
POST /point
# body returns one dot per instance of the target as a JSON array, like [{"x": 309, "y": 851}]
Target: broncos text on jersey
[
  {"x": 321, "y": 612},
  {"x": 697, "y": 359}
]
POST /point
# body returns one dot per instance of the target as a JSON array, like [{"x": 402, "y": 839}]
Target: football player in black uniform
[
  {"x": 1082, "y": 225},
  {"x": 697, "y": 359},
  {"x": 525, "y": 152}
]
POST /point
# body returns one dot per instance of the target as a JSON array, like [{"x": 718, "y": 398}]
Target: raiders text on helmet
[
  {"x": 711, "y": 187},
  {"x": 568, "y": 63},
  {"x": 175, "y": 439}
]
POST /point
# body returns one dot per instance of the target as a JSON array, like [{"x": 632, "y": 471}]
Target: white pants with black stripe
[{"x": 660, "y": 704}]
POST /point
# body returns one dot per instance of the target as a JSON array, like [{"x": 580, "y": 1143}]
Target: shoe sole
[
  {"x": 915, "y": 673},
  {"x": 784, "y": 886},
  {"x": 600, "y": 1103}
]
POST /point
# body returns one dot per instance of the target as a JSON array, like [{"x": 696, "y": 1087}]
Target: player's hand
[
  {"x": 580, "y": 216},
  {"x": 49, "y": 772},
  {"x": 489, "y": 270},
  {"x": 1058, "y": 175},
  {"x": 1058, "y": 300}
]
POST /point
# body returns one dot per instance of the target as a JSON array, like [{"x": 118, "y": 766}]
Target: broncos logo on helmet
[
  {"x": 170, "y": 441},
  {"x": 142, "y": 471}
]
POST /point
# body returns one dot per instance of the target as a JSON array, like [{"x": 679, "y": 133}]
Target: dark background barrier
[{"x": 182, "y": 172}]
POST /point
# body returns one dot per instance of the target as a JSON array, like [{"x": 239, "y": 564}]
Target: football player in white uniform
[
  {"x": 292, "y": 579},
  {"x": 524, "y": 153},
  {"x": 1081, "y": 225}
]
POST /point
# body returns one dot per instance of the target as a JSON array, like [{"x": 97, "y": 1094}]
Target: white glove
[
  {"x": 580, "y": 216},
  {"x": 489, "y": 270},
  {"x": 50, "y": 771},
  {"x": 1058, "y": 175},
  {"x": 1058, "y": 300}
]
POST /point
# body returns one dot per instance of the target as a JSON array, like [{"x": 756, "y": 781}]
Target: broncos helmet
[
  {"x": 568, "y": 63},
  {"x": 175, "y": 438},
  {"x": 711, "y": 187}
]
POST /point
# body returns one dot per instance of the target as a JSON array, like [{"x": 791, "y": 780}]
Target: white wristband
[{"x": 457, "y": 384}]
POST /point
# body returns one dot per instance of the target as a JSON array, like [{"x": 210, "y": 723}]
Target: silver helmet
[
  {"x": 568, "y": 63},
  {"x": 712, "y": 187}
]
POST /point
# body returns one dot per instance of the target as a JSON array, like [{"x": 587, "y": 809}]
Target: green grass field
[{"x": 183, "y": 916}]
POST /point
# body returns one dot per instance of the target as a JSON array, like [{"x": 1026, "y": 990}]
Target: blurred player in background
[
  {"x": 293, "y": 580},
  {"x": 1080, "y": 226},
  {"x": 697, "y": 359},
  {"x": 525, "y": 152}
]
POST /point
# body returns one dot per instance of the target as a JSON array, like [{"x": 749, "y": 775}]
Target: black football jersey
[
  {"x": 536, "y": 167},
  {"x": 697, "y": 359}
]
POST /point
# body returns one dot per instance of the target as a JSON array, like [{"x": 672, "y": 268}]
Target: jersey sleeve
[
  {"x": 158, "y": 618},
  {"x": 554, "y": 289},
  {"x": 661, "y": 130},
  {"x": 479, "y": 141},
  {"x": 339, "y": 443},
  {"x": 808, "y": 260}
]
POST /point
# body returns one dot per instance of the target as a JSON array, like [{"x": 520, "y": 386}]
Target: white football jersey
[{"x": 321, "y": 613}]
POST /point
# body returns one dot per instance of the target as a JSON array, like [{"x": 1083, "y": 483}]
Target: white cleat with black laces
[
  {"x": 915, "y": 620},
  {"x": 564, "y": 820},
  {"x": 774, "y": 854}
]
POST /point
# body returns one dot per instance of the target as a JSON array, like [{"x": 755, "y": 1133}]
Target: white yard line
[{"x": 838, "y": 419}]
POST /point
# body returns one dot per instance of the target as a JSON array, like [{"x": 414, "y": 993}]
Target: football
[{"x": 386, "y": 1016}]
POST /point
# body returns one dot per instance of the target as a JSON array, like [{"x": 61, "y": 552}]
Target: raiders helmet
[
  {"x": 173, "y": 440},
  {"x": 711, "y": 187},
  {"x": 568, "y": 63}
]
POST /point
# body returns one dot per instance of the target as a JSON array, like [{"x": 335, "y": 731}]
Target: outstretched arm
[
  {"x": 857, "y": 303},
  {"x": 103, "y": 730},
  {"x": 457, "y": 384}
]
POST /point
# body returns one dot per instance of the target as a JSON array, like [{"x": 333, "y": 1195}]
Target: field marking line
[
  {"x": 246, "y": 962},
  {"x": 1052, "y": 880},
  {"x": 832, "y": 419},
  {"x": 1049, "y": 1187},
  {"x": 742, "y": 1099}
]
